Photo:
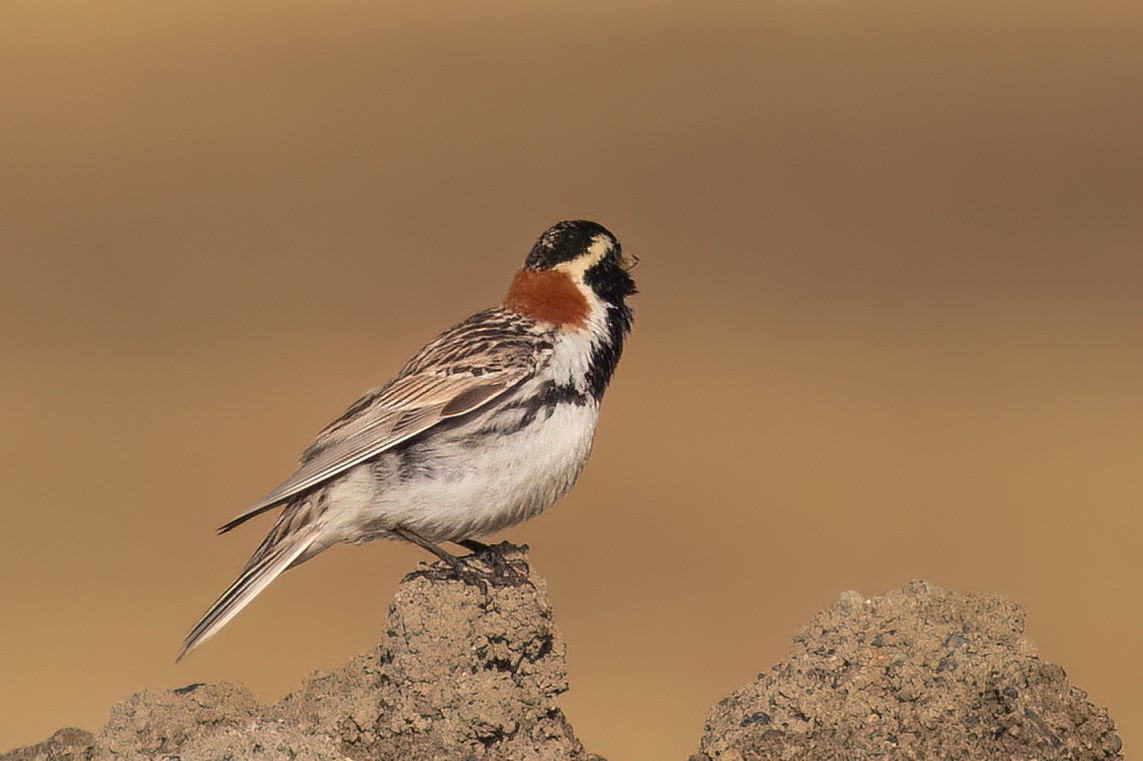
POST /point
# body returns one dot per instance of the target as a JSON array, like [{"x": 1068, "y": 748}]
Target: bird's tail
[{"x": 290, "y": 542}]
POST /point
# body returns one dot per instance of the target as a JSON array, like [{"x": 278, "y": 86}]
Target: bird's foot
[
  {"x": 497, "y": 570},
  {"x": 501, "y": 571}
]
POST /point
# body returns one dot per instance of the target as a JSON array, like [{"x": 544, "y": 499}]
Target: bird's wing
[{"x": 462, "y": 370}]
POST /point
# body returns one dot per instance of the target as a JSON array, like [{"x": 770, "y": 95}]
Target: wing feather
[{"x": 462, "y": 370}]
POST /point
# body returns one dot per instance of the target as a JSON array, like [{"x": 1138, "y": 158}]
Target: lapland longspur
[{"x": 487, "y": 426}]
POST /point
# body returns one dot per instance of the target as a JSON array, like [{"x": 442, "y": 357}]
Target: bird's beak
[{"x": 628, "y": 261}]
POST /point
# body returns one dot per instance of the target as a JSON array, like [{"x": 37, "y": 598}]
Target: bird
[{"x": 487, "y": 426}]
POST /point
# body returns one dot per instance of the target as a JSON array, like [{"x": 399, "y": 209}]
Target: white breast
[
  {"x": 571, "y": 353},
  {"x": 472, "y": 483}
]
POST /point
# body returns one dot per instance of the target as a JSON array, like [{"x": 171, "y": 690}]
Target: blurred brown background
[{"x": 889, "y": 327}]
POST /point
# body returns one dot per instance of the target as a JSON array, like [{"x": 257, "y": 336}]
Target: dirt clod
[{"x": 919, "y": 672}]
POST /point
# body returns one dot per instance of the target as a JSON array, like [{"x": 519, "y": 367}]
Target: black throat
[
  {"x": 612, "y": 284},
  {"x": 605, "y": 356}
]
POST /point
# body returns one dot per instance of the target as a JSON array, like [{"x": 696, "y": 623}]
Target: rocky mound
[
  {"x": 917, "y": 673},
  {"x": 472, "y": 669},
  {"x": 467, "y": 670}
]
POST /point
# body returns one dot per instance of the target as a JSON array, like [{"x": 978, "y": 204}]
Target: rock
[
  {"x": 152, "y": 723},
  {"x": 917, "y": 673},
  {"x": 468, "y": 669},
  {"x": 473, "y": 669},
  {"x": 67, "y": 744}
]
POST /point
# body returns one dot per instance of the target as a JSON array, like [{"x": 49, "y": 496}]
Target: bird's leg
[
  {"x": 474, "y": 546},
  {"x": 501, "y": 571},
  {"x": 462, "y": 570},
  {"x": 425, "y": 544}
]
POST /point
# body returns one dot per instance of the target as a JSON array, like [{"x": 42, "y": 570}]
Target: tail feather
[
  {"x": 276, "y": 554},
  {"x": 253, "y": 512}
]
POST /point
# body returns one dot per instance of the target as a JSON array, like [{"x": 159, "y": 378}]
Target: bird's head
[{"x": 572, "y": 264}]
